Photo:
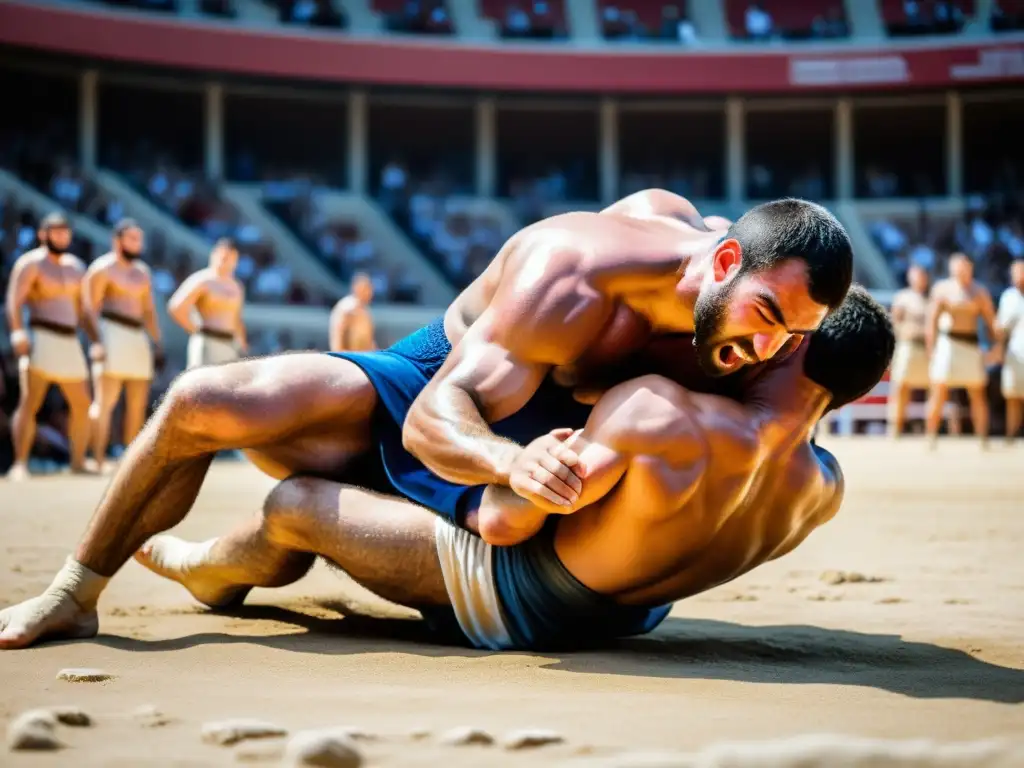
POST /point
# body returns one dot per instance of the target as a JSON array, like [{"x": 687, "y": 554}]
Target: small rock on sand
[
  {"x": 149, "y": 716},
  {"x": 33, "y": 730},
  {"x": 527, "y": 739},
  {"x": 71, "y": 715},
  {"x": 849, "y": 577},
  {"x": 419, "y": 734},
  {"x": 461, "y": 737},
  {"x": 354, "y": 733},
  {"x": 329, "y": 748},
  {"x": 227, "y": 732},
  {"x": 84, "y": 675}
]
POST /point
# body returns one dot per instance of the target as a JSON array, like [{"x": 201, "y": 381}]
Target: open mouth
[{"x": 728, "y": 357}]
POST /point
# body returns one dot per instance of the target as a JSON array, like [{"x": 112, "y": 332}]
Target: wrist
[{"x": 504, "y": 461}]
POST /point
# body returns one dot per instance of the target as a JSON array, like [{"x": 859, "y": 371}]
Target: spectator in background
[
  {"x": 1010, "y": 320},
  {"x": 517, "y": 22},
  {"x": 758, "y": 22}
]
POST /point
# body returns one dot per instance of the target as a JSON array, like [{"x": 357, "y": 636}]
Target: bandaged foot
[
  {"x": 189, "y": 565},
  {"x": 67, "y": 609}
]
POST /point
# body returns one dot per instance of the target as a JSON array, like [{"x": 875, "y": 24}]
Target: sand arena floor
[{"x": 929, "y": 644}]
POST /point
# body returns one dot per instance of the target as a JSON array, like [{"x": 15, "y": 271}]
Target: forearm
[
  {"x": 241, "y": 337},
  {"x": 181, "y": 316},
  {"x": 445, "y": 430},
  {"x": 152, "y": 326},
  {"x": 14, "y": 312}
]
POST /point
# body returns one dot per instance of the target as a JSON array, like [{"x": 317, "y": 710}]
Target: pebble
[
  {"x": 329, "y": 748},
  {"x": 529, "y": 738},
  {"x": 419, "y": 734},
  {"x": 84, "y": 675},
  {"x": 849, "y": 577},
  {"x": 71, "y": 715},
  {"x": 33, "y": 730},
  {"x": 227, "y": 732},
  {"x": 355, "y": 734},
  {"x": 150, "y": 716},
  {"x": 461, "y": 737}
]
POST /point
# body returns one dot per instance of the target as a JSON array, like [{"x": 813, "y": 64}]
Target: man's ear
[{"x": 727, "y": 259}]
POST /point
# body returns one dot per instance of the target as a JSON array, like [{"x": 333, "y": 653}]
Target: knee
[
  {"x": 288, "y": 510},
  {"x": 198, "y": 403}
]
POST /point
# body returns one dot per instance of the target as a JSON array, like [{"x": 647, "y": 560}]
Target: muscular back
[{"x": 703, "y": 500}]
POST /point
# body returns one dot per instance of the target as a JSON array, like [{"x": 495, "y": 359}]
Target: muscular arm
[
  {"x": 538, "y": 318},
  {"x": 181, "y": 303},
  {"x": 988, "y": 314},
  {"x": 149, "y": 317},
  {"x": 241, "y": 336},
  {"x": 649, "y": 420},
  {"x": 931, "y": 328},
  {"x": 338, "y": 326},
  {"x": 94, "y": 287},
  {"x": 23, "y": 275}
]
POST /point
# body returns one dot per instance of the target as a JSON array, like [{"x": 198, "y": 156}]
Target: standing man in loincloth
[
  {"x": 118, "y": 301},
  {"x": 47, "y": 282},
  {"x": 351, "y": 322},
  {"x": 218, "y": 299},
  {"x": 910, "y": 361},
  {"x": 956, "y": 305},
  {"x": 1011, "y": 322}
]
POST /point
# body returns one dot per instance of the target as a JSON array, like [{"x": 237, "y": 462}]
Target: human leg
[
  {"x": 23, "y": 423},
  {"x": 136, "y": 400},
  {"x": 243, "y": 405},
  {"x": 106, "y": 393},
  {"x": 937, "y": 396},
  {"x": 76, "y": 393},
  {"x": 979, "y": 412},
  {"x": 386, "y": 544}
]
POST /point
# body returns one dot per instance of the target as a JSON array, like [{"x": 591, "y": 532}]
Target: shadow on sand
[{"x": 680, "y": 648}]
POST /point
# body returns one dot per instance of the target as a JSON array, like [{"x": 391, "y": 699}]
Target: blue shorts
[{"x": 399, "y": 374}]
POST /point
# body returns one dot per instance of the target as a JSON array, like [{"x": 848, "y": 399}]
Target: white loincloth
[
  {"x": 469, "y": 579},
  {"x": 129, "y": 355},
  {"x": 910, "y": 365},
  {"x": 1012, "y": 380},
  {"x": 57, "y": 357},
  {"x": 204, "y": 349},
  {"x": 957, "y": 363}
]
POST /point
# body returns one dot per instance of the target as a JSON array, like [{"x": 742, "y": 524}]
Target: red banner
[{"x": 332, "y": 56}]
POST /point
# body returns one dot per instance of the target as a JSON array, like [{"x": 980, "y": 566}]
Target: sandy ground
[{"x": 931, "y": 646}]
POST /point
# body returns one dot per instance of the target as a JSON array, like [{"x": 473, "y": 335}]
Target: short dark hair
[
  {"x": 55, "y": 220},
  {"x": 226, "y": 242},
  {"x": 852, "y": 348},
  {"x": 771, "y": 233},
  {"x": 124, "y": 225}
]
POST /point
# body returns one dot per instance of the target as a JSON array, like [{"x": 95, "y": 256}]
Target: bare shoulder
[
  {"x": 655, "y": 415},
  {"x": 346, "y": 305},
  {"x": 102, "y": 264},
  {"x": 73, "y": 263},
  {"x": 658, "y": 203},
  {"x": 30, "y": 259},
  {"x": 823, "y": 477}
]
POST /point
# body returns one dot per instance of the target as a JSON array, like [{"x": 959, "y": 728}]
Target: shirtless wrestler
[
  {"x": 118, "y": 300},
  {"x": 47, "y": 281},
  {"x": 217, "y": 298},
  {"x": 682, "y": 492},
  {"x": 581, "y": 286},
  {"x": 910, "y": 360},
  {"x": 351, "y": 324},
  {"x": 956, "y": 305}
]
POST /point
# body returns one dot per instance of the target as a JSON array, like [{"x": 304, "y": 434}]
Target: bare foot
[
  {"x": 52, "y": 615},
  {"x": 18, "y": 473},
  {"x": 187, "y": 564}
]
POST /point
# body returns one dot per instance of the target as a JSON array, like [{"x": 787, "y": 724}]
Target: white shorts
[
  {"x": 1013, "y": 377},
  {"x": 55, "y": 356},
  {"x": 466, "y": 561},
  {"x": 957, "y": 363},
  {"x": 129, "y": 355},
  {"x": 204, "y": 349},
  {"x": 910, "y": 365}
]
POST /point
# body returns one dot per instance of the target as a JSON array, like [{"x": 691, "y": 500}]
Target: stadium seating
[{"x": 793, "y": 18}]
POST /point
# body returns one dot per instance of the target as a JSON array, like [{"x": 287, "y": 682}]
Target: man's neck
[
  {"x": 54, "y": 257},
  {"x": 786, "y": 405}
]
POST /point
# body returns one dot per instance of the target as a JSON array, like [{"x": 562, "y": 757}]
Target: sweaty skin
[
  {"x": 50, "y": 287},
  {"x": 573, "y": 291},
  {"x": 572, "y": 278},
  {"x": 685, "y": 492}
]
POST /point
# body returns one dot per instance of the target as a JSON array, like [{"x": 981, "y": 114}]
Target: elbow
[
  {"x": 416, "y": 433},
  {"x": 495, "y": 531}
]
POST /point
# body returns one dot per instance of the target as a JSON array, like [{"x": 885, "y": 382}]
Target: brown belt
[
  {"x": 967, "y": 338},
  {"x": 117, "y": 317},
  {"x": 57, "y": 328},
  {"x": 213, "y": 333}
]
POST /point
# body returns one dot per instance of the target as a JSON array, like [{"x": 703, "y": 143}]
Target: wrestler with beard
[
  {"x": 47, "y": 282},
  {"x": 121, "y": 316}
]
